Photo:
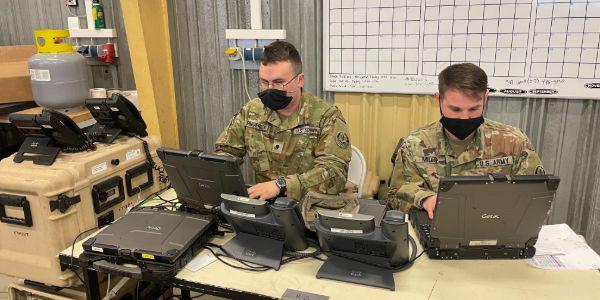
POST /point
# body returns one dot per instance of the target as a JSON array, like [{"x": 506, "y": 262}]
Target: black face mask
[
  {"x": 461, "y": 128},
  {"x": 275, "y": 99}
]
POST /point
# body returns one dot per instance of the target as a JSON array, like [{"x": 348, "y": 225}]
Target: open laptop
[
  {"x": 161, "y": 242},
  {"x": 199, "y": 179},
  {"x": 482, "y": 217}
]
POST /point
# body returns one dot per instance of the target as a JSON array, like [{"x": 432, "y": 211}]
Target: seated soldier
[
  {"x": 463, "y": 142},
  {"x": 297, "y": 143}
]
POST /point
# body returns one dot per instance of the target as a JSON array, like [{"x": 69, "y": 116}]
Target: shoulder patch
[{"x": 342, "y": 140}]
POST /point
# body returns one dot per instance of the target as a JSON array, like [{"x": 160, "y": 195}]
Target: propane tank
[{"x": 59, "y": 75}]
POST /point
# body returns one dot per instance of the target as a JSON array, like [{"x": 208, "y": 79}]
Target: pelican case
[{"x": 44, "y": 208}]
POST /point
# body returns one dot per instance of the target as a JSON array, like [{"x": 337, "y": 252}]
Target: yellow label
[{"x": 148, "y": 256}]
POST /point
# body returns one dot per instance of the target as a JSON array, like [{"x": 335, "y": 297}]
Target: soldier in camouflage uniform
[
  {"x": 296, "y": 147},
  {"x": 462, "y": 143}
]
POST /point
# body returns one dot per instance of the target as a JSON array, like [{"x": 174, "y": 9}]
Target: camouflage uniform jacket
[
  {"x": 311, "y": 147},
  {"x": 425, "y": 155}
]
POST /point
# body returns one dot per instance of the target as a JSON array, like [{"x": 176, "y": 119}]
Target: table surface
[{"x": 426, "y": 279}]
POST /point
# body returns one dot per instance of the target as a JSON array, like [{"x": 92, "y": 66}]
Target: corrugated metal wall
[
  {"x": 208, "y": 92},
  {"x": 19, "y": 18},
  {"x": 566, "y": 132}
]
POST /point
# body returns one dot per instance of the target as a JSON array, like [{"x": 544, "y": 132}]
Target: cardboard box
[{"x": 15, "y": 83}]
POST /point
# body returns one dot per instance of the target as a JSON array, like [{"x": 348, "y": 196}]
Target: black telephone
[
  {"x": 114, "y": 116},
  {"x": 46, "y": 135}
]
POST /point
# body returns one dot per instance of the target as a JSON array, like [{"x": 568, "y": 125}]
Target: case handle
[{"x": 15, "y": 201}]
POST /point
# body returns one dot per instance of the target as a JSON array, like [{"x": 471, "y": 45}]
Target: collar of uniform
[
  {"x": 297, "y": 118},
  {"x": 473, "y": 151}
]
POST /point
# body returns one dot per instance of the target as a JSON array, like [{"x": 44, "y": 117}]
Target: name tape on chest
[
  {"x": 431, "y": 159},
  {"x": 257, "y": 125},
  {"x": 307, "y": 130},
  {"x": 494, "y": 162}
]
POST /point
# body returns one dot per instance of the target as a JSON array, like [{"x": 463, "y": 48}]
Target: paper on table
[
  {"x": 203, "y": 259},
  {"x": 558, "y": 247}
]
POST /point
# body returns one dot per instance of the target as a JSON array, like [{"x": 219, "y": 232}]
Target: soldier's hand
[
  {"x": 429, "y": 205},
  {"x": 264, "y": 190}
]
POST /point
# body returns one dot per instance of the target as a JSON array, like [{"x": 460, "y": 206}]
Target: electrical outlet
[{"x": 71, "y": 2}]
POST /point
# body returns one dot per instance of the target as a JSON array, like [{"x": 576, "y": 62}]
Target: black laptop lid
[
  {"x": 494, "y": 210},
  {"x": 155, "y": 235},
  {"x": 199, "y": 179}
]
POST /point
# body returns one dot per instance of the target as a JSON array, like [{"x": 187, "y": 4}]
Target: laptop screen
[
  {"x": 494, "y": 210},
  {"x": 199, "y": 179}
]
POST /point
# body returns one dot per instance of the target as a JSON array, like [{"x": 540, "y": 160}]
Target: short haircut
[
  {"x": 466, "y": 78},
  {"x": 282, "y": 51}
]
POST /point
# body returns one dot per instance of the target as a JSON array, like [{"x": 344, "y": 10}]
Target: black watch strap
[{"x": 281, "y": 184}]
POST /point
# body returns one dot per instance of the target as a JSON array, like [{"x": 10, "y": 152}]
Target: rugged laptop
[
  {"x": 482, "y": 217},
  {"x": 158, "y": 242}
]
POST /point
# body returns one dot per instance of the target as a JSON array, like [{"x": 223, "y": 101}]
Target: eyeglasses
[{"x": 276, "y": 84}]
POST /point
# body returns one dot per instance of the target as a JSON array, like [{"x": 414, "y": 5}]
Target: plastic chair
[{"x": 357, "y": 170}]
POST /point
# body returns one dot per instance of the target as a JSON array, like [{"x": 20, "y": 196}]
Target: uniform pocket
[{"x": 256, "y": 149}]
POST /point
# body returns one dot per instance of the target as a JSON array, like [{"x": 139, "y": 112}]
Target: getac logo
[
  {"x": 153, "y": 227},
  {"x": 486, "y": 216},
  {"x": 356, "y": 273}
]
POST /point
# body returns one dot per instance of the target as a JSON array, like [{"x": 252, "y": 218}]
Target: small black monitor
[
  {"x": 263, "y": 229},
  {"x": 199, "y": 179},
  {"x": 46, "y": 134},
  {"x": 361, "y": 252},
  {"x": 114, "y": 116}
]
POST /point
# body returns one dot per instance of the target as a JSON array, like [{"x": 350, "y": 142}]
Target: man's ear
[
  {"x": 485, "y": 98},
  {"x": 301, "y": 80},
  {"x": 437, "y": 98}
]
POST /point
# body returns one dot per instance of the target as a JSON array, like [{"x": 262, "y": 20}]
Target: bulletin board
[{"x": 543, "y": 48}]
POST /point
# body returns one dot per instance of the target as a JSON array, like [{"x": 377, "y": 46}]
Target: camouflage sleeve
[
  {"x": 330, "y": 167},
  {"x": 231, "y": 140},
  {"x": 528, "y": 162},
  {"x": 407, "y": 186}
]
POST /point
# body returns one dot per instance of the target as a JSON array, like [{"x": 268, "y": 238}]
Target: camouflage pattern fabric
[
  {"x": 313, "y": 202},
  {"x": 310, "y": 148},
  {"x": 425, "y": 155}
]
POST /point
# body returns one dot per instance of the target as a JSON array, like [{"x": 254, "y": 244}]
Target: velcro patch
[
  {"x": 307, "y": 130},
  {"x": 257, "y": 125},
  {"x": 494, "y": 162}
]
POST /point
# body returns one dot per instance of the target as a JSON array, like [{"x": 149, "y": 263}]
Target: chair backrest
[{"x": 357, "y": 170}]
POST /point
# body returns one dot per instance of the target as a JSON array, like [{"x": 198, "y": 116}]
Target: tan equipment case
[{"x": 44, "y": 208}]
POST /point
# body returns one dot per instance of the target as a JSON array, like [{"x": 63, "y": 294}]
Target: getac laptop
[
  {"x": 199, "y": 178},
  {"x": 158, "y": 242},
  {"x": 161, "y": 242},
  {"x": 482, "y": 217}
]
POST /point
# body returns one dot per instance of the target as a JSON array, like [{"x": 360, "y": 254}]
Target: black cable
[
  {"x": 137, "y": 290},
  {"x": 198, "y": 296},
  {"x": 229, "y": 255},
  {"x": 162, "y": 176},
  {"x": 72, "y": 267},
  {"x": 87, "y": 146},
  {"x": 248, "y": 266}
]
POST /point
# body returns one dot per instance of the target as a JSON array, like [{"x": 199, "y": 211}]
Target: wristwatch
[{"x": 280, "y": 182}]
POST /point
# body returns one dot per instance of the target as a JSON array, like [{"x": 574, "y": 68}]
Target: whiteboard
[{"x": 528, "y": 48}]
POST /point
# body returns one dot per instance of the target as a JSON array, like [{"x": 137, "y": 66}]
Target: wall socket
[{"x": 71, "y": 2}]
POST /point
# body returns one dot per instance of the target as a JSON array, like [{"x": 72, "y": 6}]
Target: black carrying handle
[
  {"x": 15, "y": 201},
  {"x": 144, "y": 168},
  {"x": 108, "y": 267}
]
